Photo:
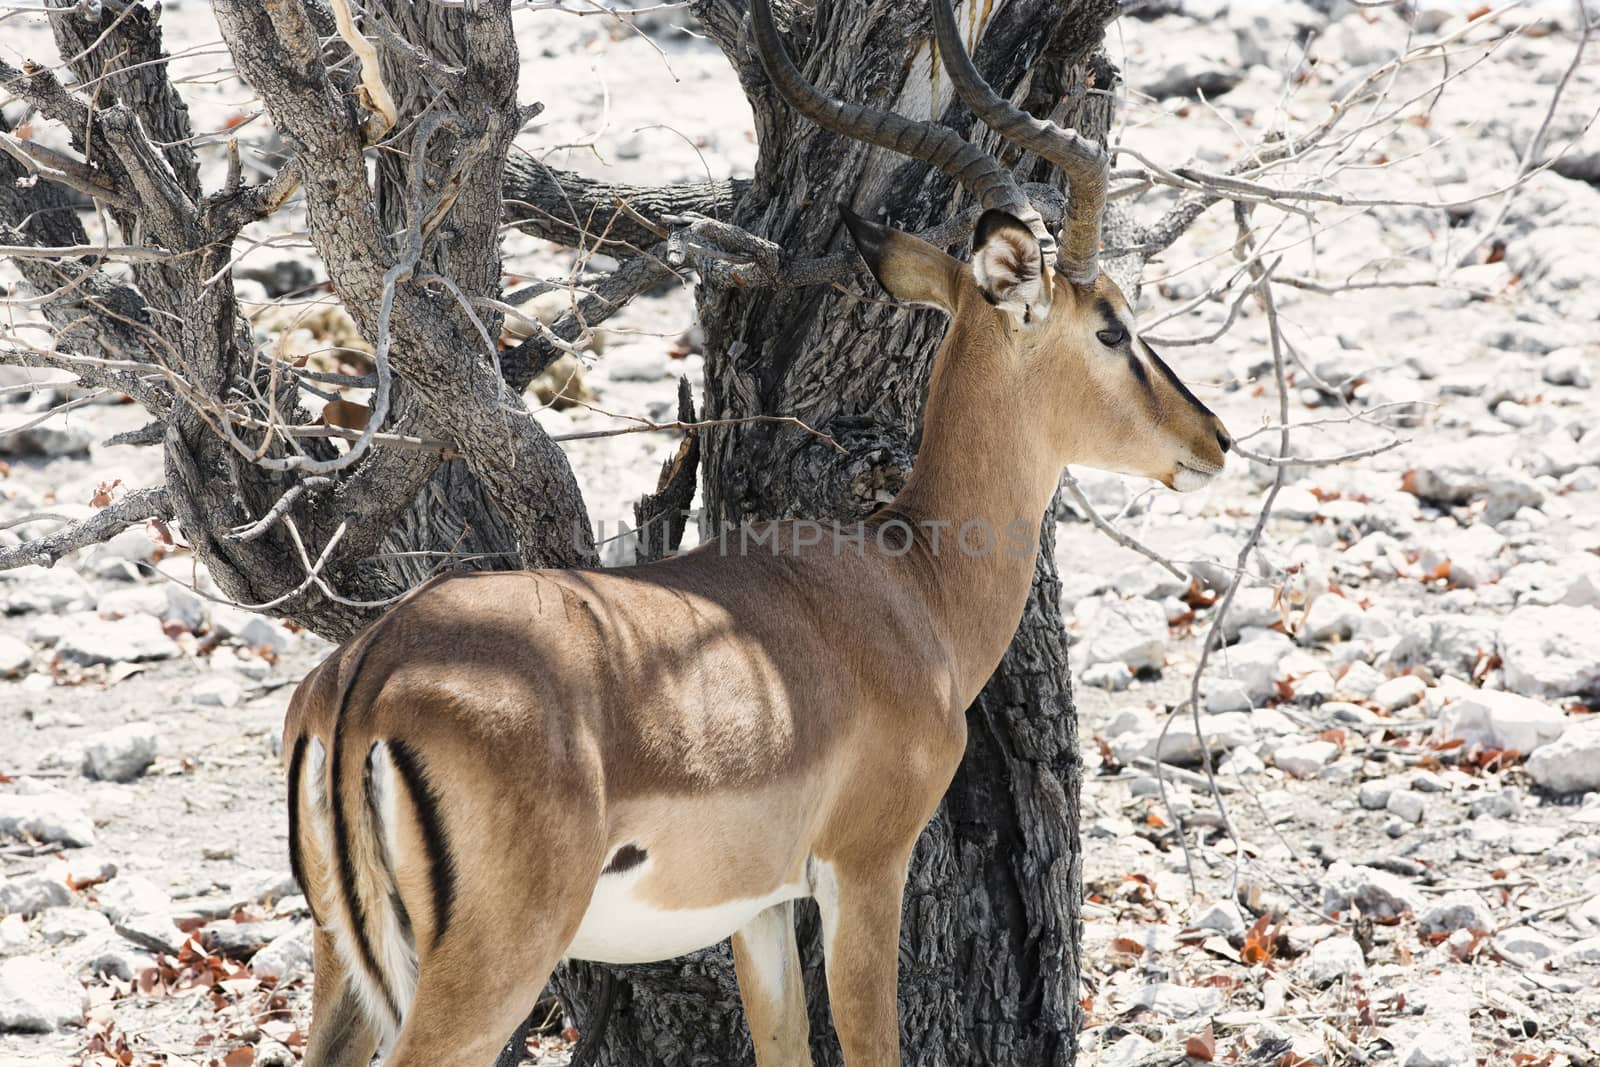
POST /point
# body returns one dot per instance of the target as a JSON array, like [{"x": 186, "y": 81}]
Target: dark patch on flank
[
  {"x": 296, "y": 860},
  {"x": 441, "y": 862},
  {"x": 627, "y": 858}
]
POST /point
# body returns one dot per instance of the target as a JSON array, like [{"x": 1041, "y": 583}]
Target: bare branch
[{"x": 137, "y": 506}]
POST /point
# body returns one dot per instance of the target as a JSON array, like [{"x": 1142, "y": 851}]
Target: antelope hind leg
[
  {"x": 341, "y": 1036},
  {"x": 772, "y": 986}
]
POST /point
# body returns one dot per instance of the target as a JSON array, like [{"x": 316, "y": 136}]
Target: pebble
[
  {"x": 1246, "y": 675},
  {"x": 37, "y": 996},
  {"x": 1179, "y": 1002},
  {"x": 1500, "y": 720},
  {"x": 1401, "y": 692},
  {"x": 30, "y": 894},
  {"x": 1223, "y": 917},
  {"x": 1361, "y": 681},
  {"x": 1332, "y": 959},
  {"x": 1132, "y": 633},
  {"x": 16, "y": 658},
  {"x": 1551, "y": 651},
  {"x": 286, "y": 957},
  {"x": 130, "y": 895},
  {"x": 1460, "y": 910},
  {"x": 264, "y": 633},
  {"x": 1407, "y": 805},
  {"x": 49, "y": 816},
  {"x": 1305, "y": 759},
  {"x": 1525, "y": 946},
  {"x": 72, "y": 924},
  {"x": 216, "y": 692},
  {"x": 1571, "y": 763},
  {"x": 121, "y": 754},
  {"x": 134, "y": 638},
  {"x": 1379, "y": 894}
]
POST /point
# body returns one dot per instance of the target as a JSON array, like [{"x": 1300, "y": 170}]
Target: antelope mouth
[{"x": 1186, "y": 478}]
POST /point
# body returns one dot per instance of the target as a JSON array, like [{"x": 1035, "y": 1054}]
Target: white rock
[
  {"x": 14, "y": 934},
  {"x": 1223, "y": 917},
  {"x": 1378, "y": 894},
  {"x": 1333, "y": 959},
  {"x": 1245, "y": 675},
  {"x": 635, "y": 363},
  {"x": 216, "y": 692},
  {"x": 1571, "y": 763},
  {"x": 29, "y": 894},
  {"x": 1585, "y": 951},
  {"x": 1112, "y": 676},
  {"x": 131, "y": 639},
  {"x": 122, "y": 754},
  {"x": 1443, "y": 1040},
  {"x": 1181, "y": 745},
  {"x": 36, "y": 996},
  {"x": 1551, "y": 651},
  {"x": 1449, "y": 474},
  {"x": 286, "y": 957},
  {"x": 1360, "y": 681},
  {"x": 71, "y": 924},
  {"x": 1179, "y": 1002},
  {"x": 1401, "y": 692},
  {"x": 1526, "y": 946},
  {"x": 118, "y": 959},
  {"x": 137, "y": 600},
  {"x": 39, "y": 590},
  {"x": 264, "y": 633},
  {"x": 1460, "y": 910},
  {"x": 1447, "y": 644},
  {"x": 1130, "y": 1051},
  {"x": 1130, "y": 632},
  {"x": 1406, "y": 804},
  {"x": 131, "y": 895},
  {"x": 1253, "y": 606},
  {"x": 1331, "y": 617},
  {"x": 1374, "y": 795},
  {"x": 1306, "y": 758},
  {"x": 1496, "y": 719},
  {"x": 16, "y": 658},
  {"x": 47, "y": 817}
]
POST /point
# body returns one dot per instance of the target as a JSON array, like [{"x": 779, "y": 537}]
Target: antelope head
[{"x": 1046, "y": 311}]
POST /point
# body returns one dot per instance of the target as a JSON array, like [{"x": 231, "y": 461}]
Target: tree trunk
[{"x": 989, "y": 953}]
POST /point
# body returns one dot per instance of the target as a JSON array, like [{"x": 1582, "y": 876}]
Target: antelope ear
[
  {"x": 909, "y": 268},
  {"x": 1008, "y": 265}
]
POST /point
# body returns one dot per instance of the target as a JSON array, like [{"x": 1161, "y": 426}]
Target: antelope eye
[{"x": 1112, "y": 338}]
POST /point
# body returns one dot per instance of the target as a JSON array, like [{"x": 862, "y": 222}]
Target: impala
[{"x": 626, "y": 765}]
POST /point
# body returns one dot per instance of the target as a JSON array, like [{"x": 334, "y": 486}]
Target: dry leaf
[{"x": 1201, "y": 1046}]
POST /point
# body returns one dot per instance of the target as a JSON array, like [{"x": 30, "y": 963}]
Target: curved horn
[
  {"x": 1083, "y": 161},
  {"x": 975, "y": 170}
]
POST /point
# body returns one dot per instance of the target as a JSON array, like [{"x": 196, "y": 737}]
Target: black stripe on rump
[
  {"x": 296, "y": 861},
  {"x": 441, "y": 863},
  {"x": 341, "y": 839}
]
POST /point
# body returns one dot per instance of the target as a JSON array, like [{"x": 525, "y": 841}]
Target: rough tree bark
[{"x": 989, "y": 953}]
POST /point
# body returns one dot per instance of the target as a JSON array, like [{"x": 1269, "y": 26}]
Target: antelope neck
[{"x": 981, "y": 466}]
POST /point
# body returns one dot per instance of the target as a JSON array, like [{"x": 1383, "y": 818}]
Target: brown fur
[{"x": 742, "y": 718}]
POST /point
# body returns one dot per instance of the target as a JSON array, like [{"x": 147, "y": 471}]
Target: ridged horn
[{"x": 1083, "y": 161}]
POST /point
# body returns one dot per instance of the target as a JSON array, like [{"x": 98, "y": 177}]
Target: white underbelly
[{"x": 619, "y": 927}]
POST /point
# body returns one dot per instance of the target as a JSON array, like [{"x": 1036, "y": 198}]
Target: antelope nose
[{"x": 1224, "y": 442}]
